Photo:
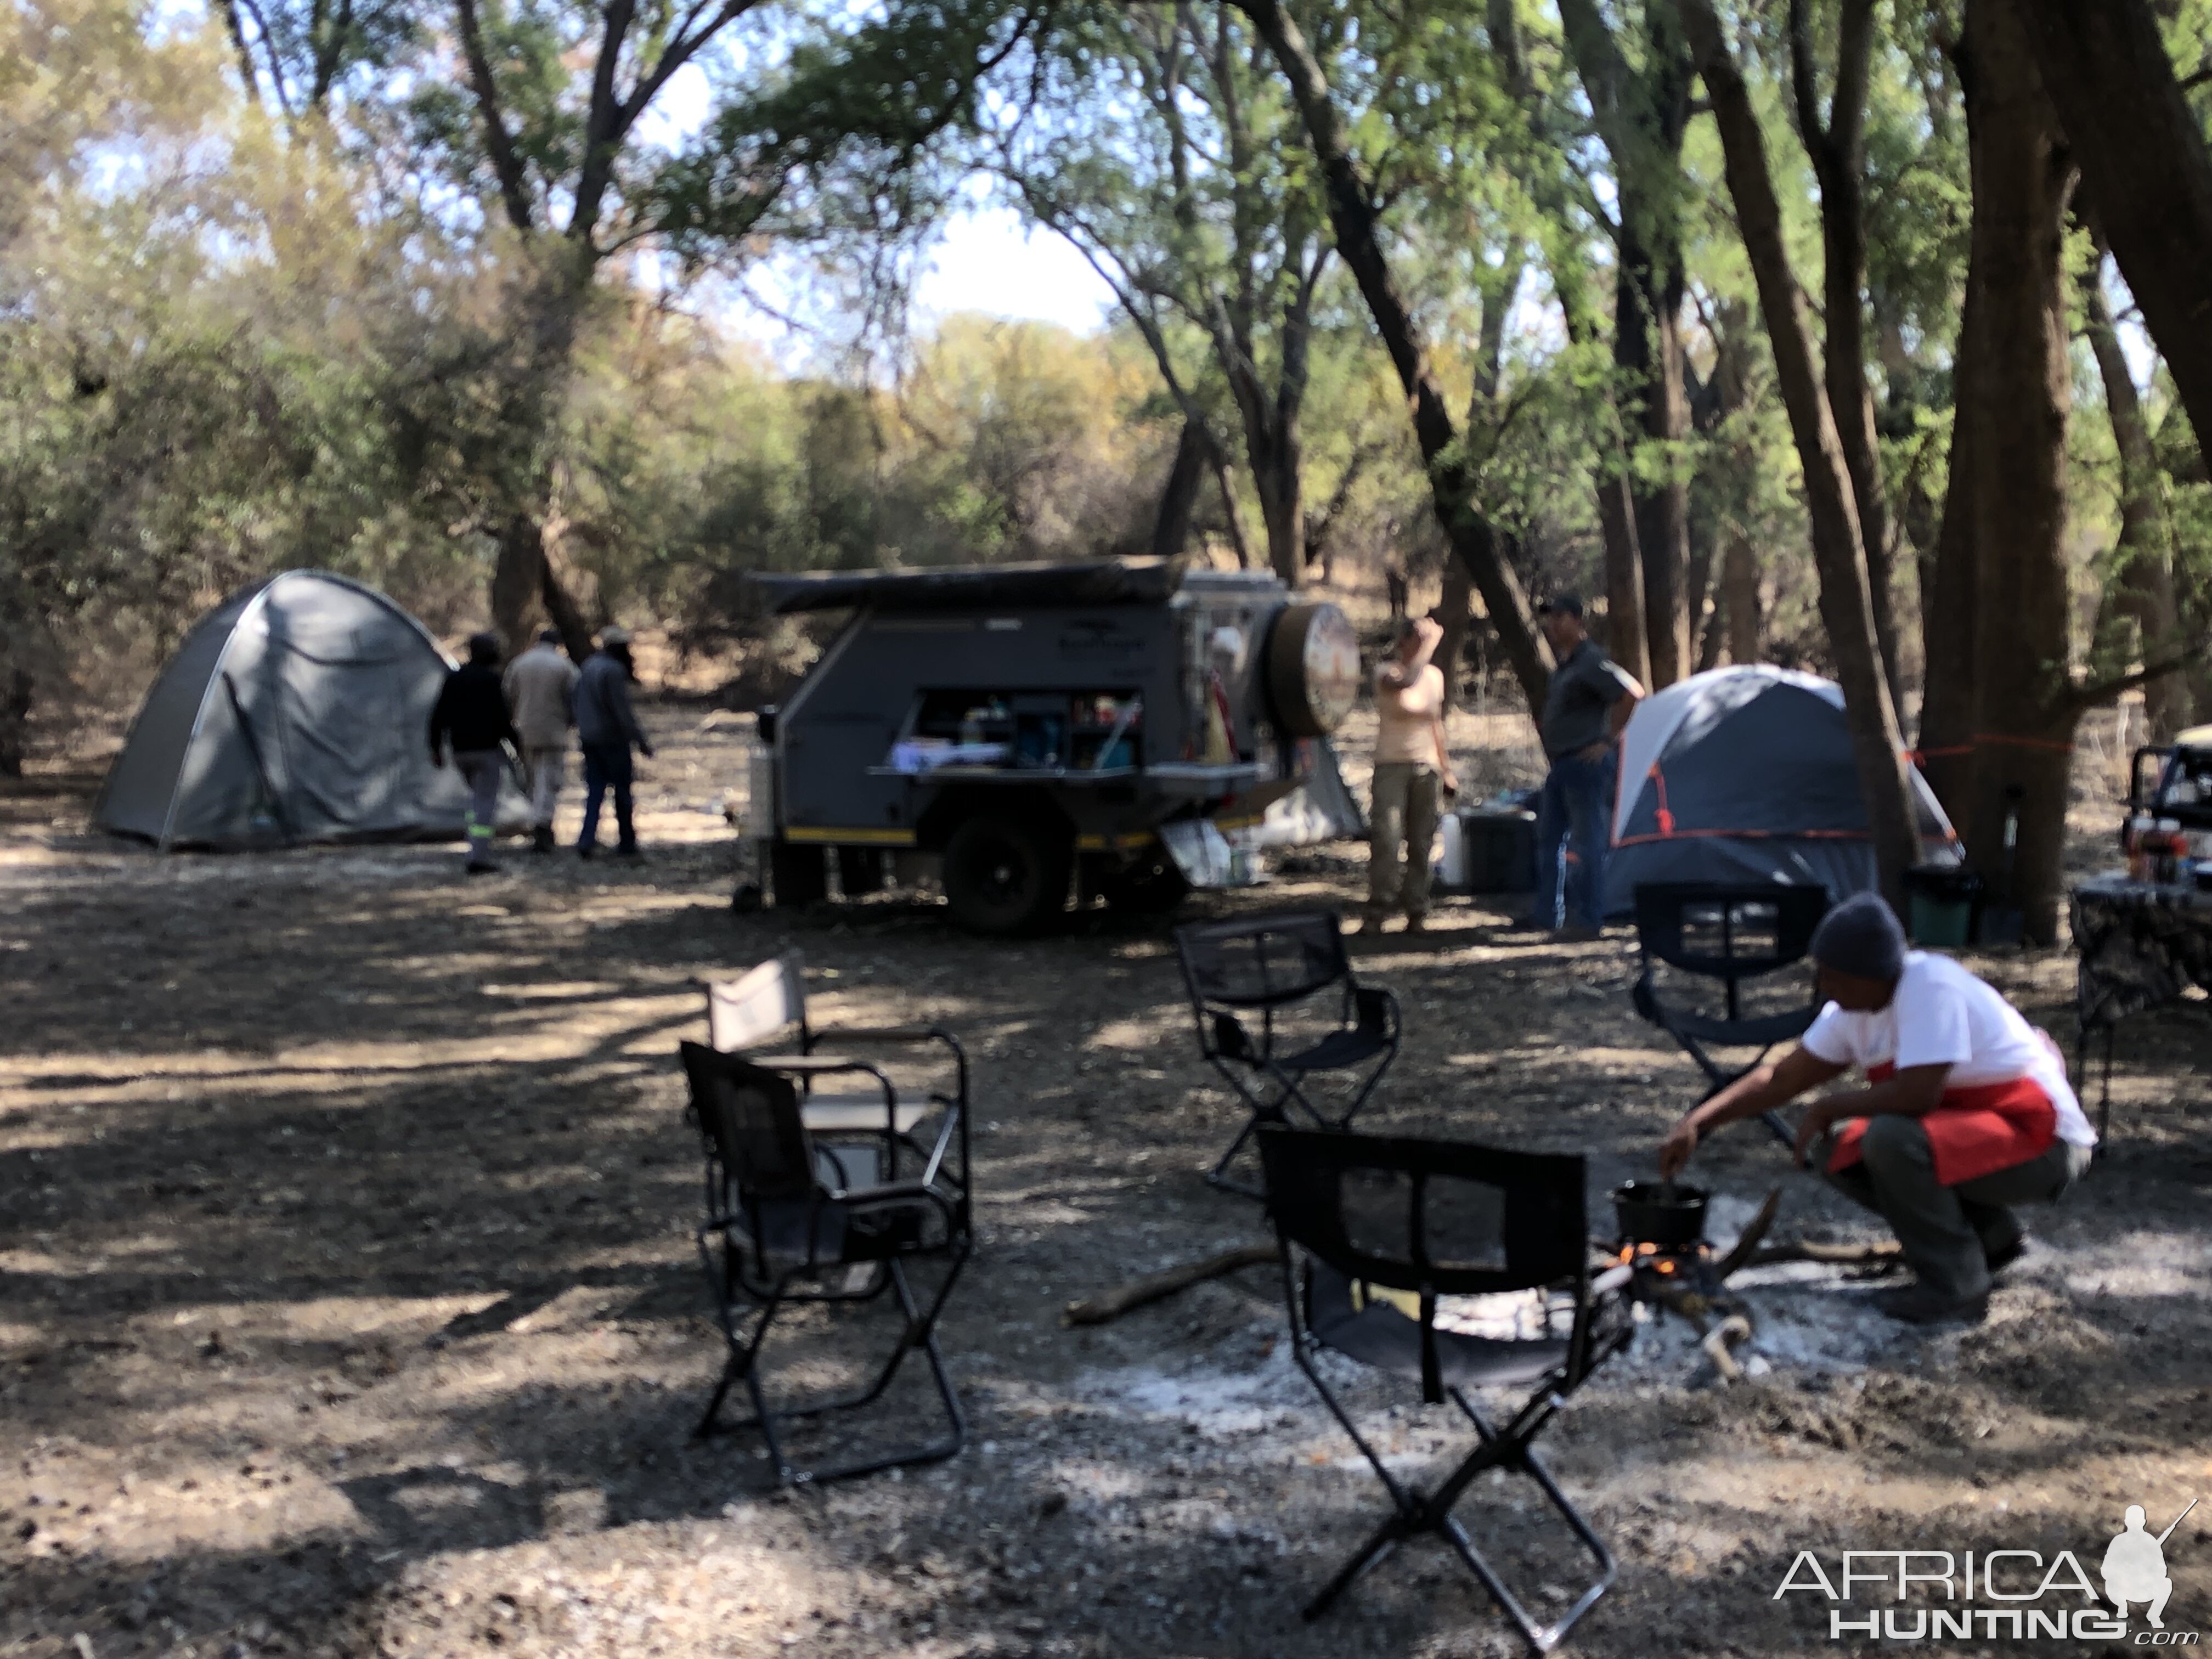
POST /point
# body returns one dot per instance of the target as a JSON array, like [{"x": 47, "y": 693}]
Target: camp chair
[
  {"x": 790, "y": 1221},
  {"x": 1732, "y": 933},
  {"x": 1273, "y": 966},
  {"x": 769, "y": 1003},
  {"x": 1373, "y": 1230}
]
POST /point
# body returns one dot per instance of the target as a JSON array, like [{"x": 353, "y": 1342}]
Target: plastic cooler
[{"x": 1940, "y": 902}]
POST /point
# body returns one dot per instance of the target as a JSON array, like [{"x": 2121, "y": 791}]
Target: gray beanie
[{"x": 1861, "y": 937}]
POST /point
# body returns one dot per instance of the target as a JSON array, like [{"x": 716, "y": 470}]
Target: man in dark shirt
[
  {"x": 607, "y": 730},
  {"x": 471, "y": 717},
  {"x": 1588, "y": 702}
]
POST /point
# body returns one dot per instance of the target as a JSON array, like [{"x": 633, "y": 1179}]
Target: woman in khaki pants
[{"x": 1410, "y": 766}]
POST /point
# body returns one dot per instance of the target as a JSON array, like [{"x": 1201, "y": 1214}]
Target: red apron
[{"x": 1973, "y": 1131}]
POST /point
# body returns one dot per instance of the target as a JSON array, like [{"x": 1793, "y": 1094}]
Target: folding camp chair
[
  {"x": 769, "y": 1003},
  {"x": 1733, "y": 934},
  {"x": 792, "y": 1221},
  {"x": 1277, "y": 967},
  {"x": 1367, "y": 1224}
]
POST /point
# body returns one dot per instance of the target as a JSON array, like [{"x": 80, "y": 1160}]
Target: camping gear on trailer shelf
[
  {"x": 1746, "y": 774},
  {"x": 1133, "y": 726},
  {"x": 298, "y": 710}
]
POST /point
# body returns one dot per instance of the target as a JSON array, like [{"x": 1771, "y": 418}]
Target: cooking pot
[{"x": 1652, "y": 1212}]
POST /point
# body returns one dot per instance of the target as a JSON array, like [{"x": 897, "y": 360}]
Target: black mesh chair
[
  {"x": 1733, "y": 934},
  {"x": 1374, "y": 1230},
  {"x": 1278, "y": 971},
  {"x": 792, "y": 1221}
]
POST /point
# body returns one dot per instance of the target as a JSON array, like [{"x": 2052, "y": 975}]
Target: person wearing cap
[
  {"x": 471, "y": 720},
  {"x": 1965, "y": 1112},
  {"x": 607, "y": 730},
  {"x": 1587, "y": 703},
  {"x": 541, "y": 683},
  {"x": 1410, "y": 765}
]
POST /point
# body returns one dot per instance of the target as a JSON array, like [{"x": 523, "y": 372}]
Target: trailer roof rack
[{"x": 967, "y": 587}]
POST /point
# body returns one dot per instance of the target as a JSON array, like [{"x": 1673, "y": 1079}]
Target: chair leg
[
  {"x": 918, "y": 1333},
  {"x": 1507, "y": 1449},
  {"x": 1218, "y": 1176}
]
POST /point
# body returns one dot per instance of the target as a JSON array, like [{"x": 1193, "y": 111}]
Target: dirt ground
[{"x": 349, "y": 1305}]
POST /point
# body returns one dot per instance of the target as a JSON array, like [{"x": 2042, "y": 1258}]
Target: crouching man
[{"x": 1966, "y": 1111}]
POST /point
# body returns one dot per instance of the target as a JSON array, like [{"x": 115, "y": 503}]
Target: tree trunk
[
  {"x": 1838, "y": 150},
  {"x": 1624, "y": 571},
  {"x": 1474, "y": 541},
  {"x": 1950, "y": 581},
  {"x": 2146, "y": 166},
  {"x": 2015, "y": 828},
  {"x": 16, "y": 720},
  {"x": 1740, "y": 599},
  {"x": 530, "y": 424},
  {"x": 1846, "y": 605},
  {"x": 1275, "y": 480},
  {"x": 1454, "y": 614},
  {"x": 1179, "y": 496},
  {"x": 2143, "y": 561},
  {"x": 1648, "y": 346}
]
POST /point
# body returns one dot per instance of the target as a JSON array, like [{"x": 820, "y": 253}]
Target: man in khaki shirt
[
  {"x": 1410, "y": 765},
  {"x": 539, "y": 684}
]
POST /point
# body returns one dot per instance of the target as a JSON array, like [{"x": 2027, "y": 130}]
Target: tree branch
[
  {"x": 2099, "y": 691},
  {"x": 499, "y": 145},
  {"x": 237, "y": 29}
]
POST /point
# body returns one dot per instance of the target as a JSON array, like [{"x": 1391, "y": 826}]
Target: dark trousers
[
  {"x": 606, "y": 765},
  {"x": 1571, "y": 811},
  {"x": 1948, "y": 1232}
]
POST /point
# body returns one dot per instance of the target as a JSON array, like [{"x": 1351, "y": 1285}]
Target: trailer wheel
[
  {"x": 797, "y": 874},
  {"x": 1006, "y": 875},
  {"x": 1149, "y": 886}
]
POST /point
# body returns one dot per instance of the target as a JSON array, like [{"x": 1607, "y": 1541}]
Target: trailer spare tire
[
  {"x": 1313, "y": 668},
  {"x": 1007, "y": 875}
]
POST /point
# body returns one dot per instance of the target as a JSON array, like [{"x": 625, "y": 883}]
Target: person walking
[
  {"x": 541, "y": 686},
  {"x": 471, "y": 720},
  {"x": 1585, "y": 707},
  {"x": 607, "y": 729},
  {"x": 1410, "y": 764}
]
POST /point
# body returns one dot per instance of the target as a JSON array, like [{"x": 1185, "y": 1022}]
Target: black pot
[{"x": 1649, "y": 1212}]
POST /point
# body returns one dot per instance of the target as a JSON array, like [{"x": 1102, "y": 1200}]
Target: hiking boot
[
  {"x": 1417, "y": 924},
  {"x": 628, "y": 849},
  {"x": 2005, "y": 1255},
  {"x": 485, "y": 868},
  {"x": 1923, "y": 1304},
  {"x": 541, "y": 839},
  {"x": 584, "y": 849}
]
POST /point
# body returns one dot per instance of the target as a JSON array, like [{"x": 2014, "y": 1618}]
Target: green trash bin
[{"x": 1940, "y": 902}]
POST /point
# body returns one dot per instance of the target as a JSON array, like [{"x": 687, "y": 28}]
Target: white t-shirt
[{"x": 1942, "y": 1015}]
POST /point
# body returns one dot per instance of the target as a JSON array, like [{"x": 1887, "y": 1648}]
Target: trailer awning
[{"x": 967, "y": 587}]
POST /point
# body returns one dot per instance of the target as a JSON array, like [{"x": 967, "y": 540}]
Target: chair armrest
[
  {"x": 862, "y": 1200},
  {"x": 901, "y": 1034},
  {"x": 817, "y": 1065}
]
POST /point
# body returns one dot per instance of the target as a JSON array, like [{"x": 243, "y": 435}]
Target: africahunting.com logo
[{"x": 1997, "y": 1595}]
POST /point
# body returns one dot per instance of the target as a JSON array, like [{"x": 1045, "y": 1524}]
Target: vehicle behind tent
[
  {"x": 297, "y": 711},
  {"x": 1746, "y": 774}
]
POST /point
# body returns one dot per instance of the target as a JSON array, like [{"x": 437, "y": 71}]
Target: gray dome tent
[
  {"x": 1746, "y": 774},
  {"x": 298, "y": 710}
]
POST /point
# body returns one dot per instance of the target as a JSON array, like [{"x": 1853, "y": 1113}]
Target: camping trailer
[{"x": 1133, "y": 726}]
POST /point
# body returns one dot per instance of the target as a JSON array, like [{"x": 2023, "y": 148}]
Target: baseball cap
[
  {"x": 1561, "y": 605},
  {"x": 614, "y": 636}
]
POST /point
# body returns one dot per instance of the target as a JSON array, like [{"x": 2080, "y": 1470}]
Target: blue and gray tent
[{"x": 1746, "y": 774}]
